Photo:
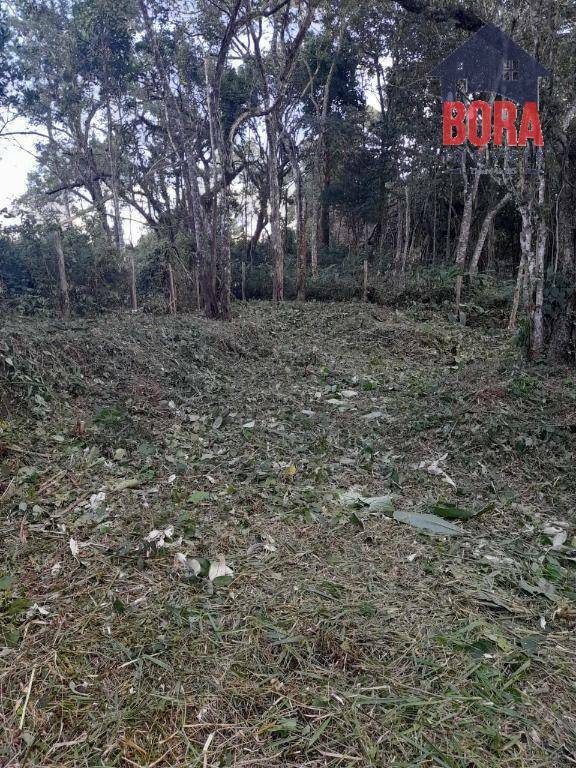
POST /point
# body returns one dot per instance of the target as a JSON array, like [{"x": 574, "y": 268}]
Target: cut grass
[{"x": 344, "y": 637}]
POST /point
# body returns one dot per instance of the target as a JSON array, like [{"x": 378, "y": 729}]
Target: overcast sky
[{"x": 16, "y": 162}]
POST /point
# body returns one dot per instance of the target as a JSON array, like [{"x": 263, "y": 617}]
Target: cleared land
[{"x": 344, "y": 637}]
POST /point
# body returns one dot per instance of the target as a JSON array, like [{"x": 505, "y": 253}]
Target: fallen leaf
[
  {"x": 182, "y": 563},
  {"x": 429, "y": 523},
  {"x": 434, "y": 468},
  {"x": 197, "y": 496},
  {"x": 218, "y": 568},
  {"x": 373, "y": 415},
  {"x": 450, "y": 512},
  {"x": 352, "y": 498},
  {"x": 158, "y": 537}
]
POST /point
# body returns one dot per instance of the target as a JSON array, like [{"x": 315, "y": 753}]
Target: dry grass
[{"x": 344, "y": 638}]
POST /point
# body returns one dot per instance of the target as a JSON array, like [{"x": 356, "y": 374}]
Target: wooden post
[
  {"x": 365, "y": 284},
  {"x": 64, "y": 296},
  {"x": 243, "y": 281}
]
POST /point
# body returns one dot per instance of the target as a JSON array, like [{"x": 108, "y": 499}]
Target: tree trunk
[
  {"x": 302, "y": 259},
  {"x": 484, "y": 230},
  {"x": 197, "y": 283},
  {"x": 133, "y": 296},
  {"x": 449, "y": 224},
  {"x": 318, "y": 212},
  {"x": 275, "y": 214},
  {"x": 118, "y": 226},
  {"x": 365, "y": 281},
  {"x": 517, "y": 291},
  {"x": 314, "y": 238},
  {"x": 407, "y": 238},
  {"x": 470, "y": 192},
  {"x": 100, "y": 206},
  {"x": 398, "y": 254},
  {"x": 221, "y": 232},
  {"x": 325, "y": 207},
  {"x": 259, "y": 228},
  {"x": 563, "y": 329},
  {"x": 301, "y": 217},
  {"x": 541, "y": 243},
  {"x": 434, "y": 224},
  {"x": 62, "y": 280},
  {"x": 171, "y": 291}
]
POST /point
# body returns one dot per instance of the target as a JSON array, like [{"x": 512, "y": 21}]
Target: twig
[
  {"x": 206, "y": 747},
  {"x": 28, "y": 692},
  {"x": 15, "y": 449}
]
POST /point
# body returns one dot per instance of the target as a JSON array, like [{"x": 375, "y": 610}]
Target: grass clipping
[{"x": 182, "y": 584}]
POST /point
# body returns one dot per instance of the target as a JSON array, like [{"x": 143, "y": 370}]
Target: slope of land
[{"x": 188, "y": 580}]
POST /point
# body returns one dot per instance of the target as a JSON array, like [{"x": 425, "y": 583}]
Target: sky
[{"x": 16, "y": 162}]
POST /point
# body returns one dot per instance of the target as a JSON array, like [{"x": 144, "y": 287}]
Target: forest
[
  {"x": 287, "y": 384},
  {"x": 191, "y": 154}
]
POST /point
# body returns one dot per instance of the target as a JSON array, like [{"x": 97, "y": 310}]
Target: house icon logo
[{"x": 491, "y": 62}]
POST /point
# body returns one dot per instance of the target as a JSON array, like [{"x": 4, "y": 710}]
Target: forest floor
[{"x": 210, "y": 552}]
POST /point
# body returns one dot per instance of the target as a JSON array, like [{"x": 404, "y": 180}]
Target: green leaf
[
  {"x": 198, "y": 496},
  {"x": 16, "y": 606},
  {"x": 370, "y": 503},
  {"x": 6, "y": 581},
  {"x": 319, "y": 731},
  {"x": 450, "y": 512},
  {"x": 285, "y": 725},
  {"x": 118, "y": 606},
  {"x": 428, "y": 523}
]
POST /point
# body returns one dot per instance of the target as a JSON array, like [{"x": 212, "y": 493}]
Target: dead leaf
[{"x": 218, "y": 568}]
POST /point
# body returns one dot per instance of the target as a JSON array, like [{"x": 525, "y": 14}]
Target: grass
[{"x": 343, "y": 637}]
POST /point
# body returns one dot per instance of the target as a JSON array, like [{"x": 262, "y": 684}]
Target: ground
[{"x": 196, "y": 571}]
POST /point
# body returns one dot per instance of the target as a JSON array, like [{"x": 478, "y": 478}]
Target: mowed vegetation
[{"x": 209, "y": 552}]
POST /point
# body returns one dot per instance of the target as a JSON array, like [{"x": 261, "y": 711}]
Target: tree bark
[
  {"x": 302, "y": 256},
  {"x": 62, "y": 280},
  {"x": 301, "y": 217},
  {"x": 484, "y": 230},
  {"x": 275, "y": 213},
  {"x": 221, "y": 213},
  {"x": 133, "y": 295},
  {"x": 325, "y": 206},
  {"x": 398, "y": 254},
  {"x": 407, "y": 224},
  {"x": 538, "y": 289},
  {"x": 319, "y": 214},
  {"x": 314, "y": 238},
  {"x": 517, "y": 291},
  {"x": 470, "y": 191},
  {"x": 171, "y": 291},
  {"x": 260, "y": 224}
]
